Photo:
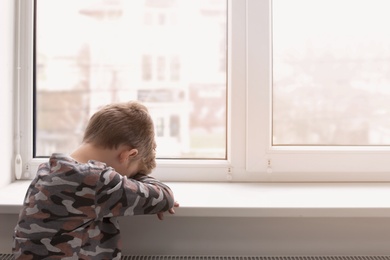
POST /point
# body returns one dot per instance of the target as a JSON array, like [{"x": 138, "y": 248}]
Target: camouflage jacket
[{"x": 70, "y": 210}]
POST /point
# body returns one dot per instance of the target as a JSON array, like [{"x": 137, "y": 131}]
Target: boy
[{"x": 71, "y": 206}]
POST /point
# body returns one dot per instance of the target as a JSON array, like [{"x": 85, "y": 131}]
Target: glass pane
[
  {"x": 331, "y": 72},
  {"x": 165, "y": 53}
]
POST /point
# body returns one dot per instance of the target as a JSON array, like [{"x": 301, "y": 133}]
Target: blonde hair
[{"x": 126, "y": 123}]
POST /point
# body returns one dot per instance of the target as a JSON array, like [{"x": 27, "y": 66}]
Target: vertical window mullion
[{"x": 258, "y": 85}]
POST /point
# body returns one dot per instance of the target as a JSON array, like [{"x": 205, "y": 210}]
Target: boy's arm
[
  {"x": 119, "y": 196},
  {"x": 160, "y": 215}
]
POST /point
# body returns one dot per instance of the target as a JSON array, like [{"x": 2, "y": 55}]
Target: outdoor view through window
[
  {"x": 169, "y": 54},
  {"x": 331, "y": 72}
]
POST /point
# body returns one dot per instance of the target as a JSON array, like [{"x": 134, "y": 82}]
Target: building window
[
  {"x": 147, "y": 67},
  {"x": 161, "y": 68},
  {"x": 159, "y": 124},
  {"x": 175, "y": 68},
  {"x": 174, "y": 126}
]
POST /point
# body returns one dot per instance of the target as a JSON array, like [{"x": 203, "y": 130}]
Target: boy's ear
[
  {"x": 126, "y": 154},
  {"x": 133, "y": 153}
]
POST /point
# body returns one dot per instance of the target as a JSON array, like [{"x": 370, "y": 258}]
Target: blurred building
[{"x": 155, "y": 52}]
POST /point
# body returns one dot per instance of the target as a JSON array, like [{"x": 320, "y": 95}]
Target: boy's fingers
[
  {"x": 160, "y": 215},
  {"x": 175, "y": 205}
]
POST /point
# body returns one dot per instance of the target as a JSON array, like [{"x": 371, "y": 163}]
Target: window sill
[{"x": 209, "y": 199}]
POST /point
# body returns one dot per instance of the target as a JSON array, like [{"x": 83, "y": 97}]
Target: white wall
[
  {"x": 7, "y": 75},
  {"x": 243, "y": 236},
  {"x": 256, "y": 236}
]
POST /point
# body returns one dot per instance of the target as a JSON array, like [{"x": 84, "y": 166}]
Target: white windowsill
[{"x": 258, "y": 199}]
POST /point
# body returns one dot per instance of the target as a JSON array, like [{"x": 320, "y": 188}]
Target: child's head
[{"x": 127, "y": 123}]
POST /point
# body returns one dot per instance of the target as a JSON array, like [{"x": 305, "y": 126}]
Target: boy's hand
[{"x": 160, "y": 215}]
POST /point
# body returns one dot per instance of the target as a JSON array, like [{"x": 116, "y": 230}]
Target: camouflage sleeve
[{"x": 120, "y": 196}]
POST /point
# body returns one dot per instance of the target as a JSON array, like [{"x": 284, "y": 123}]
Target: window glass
[
  {"x": 165, "y": 53},
  {"x": 331, "y": 72}
]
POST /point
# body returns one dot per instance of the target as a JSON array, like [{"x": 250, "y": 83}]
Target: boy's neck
[{"x": 86, "y": 152}]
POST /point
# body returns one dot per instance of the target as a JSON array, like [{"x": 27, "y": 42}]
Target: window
[
  {"x": 322, "y": 84},
  {"x": 237, "y": 89},
  {"x": 86, "y": 54},
  {"x": 331, "y": 81},
  {"x": 110, "y": 40}
]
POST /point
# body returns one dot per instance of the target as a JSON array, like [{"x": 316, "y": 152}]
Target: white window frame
[
  {"x": 250, "y": 154},
  {"x": 167, "y": 170},
  {"x": 294, "y": 163}
]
